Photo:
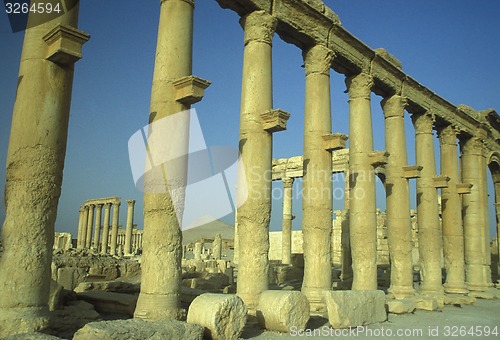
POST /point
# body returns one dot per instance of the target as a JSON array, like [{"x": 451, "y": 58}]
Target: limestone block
[
  {"x": 108, "y": 286},
  {"x": 109, "y": 302},
  {"x": 55, "y": 295},
  {"x": 427, "y": 303},
  {"x": 65, "y": 44},
  {"x": 223, "y": 316},
  {"x": 280, "y": 310},
  {"x": 402, "y": 306},
  {"x": 72, "y": 317},
  {"x": 458, "y": 299},
  {"x": 190, "y": 89},
  {"x": 274, "y": 120},
  {"x": 70, "y": 277},
  {"x": 351, "y": 308},
  {"x": 137, "y": 329},
  {"x": 31, "y": 336}
]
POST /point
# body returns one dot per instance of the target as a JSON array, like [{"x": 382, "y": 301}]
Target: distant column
[
  {"x": 105, "y": 228},
  {"x": 97, "y": 227},
  {"x": 398, "y": 198},
  {"x": 84, "y": 226},
  {"x": 486, "y": 215},
  {"x": 362, "y": 205},
  {"x": 217, "y": 247},
  {"x": 90, "y": 221},
  {"x": 429, "y": 233},
  {"x": 129, "y": 227},
  {"x": 453, "y": 235},
  {"x": 80, "y": 226},
  {"x": 114, "y": 230},
  {"x": 286, "y": 235}
]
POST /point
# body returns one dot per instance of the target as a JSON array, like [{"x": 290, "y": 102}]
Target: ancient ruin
[{"x": 359, "y": 259}]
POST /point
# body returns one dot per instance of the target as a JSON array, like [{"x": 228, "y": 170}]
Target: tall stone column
[
  {"x": 162, "y": 252},
  {"x": 362, "y": 205},
  {"x": 429, "y": 235},
  {"x": 255, "y": 147},
  {"x": 453, "y": 235},
  {"x": 129, "y": 227},
  {"x": 34, "y": 169},
  {"x": 105, "y": 228},
  {"x": 286, "y": 234},
  {"x": 485, "y": 208},
  {"x": 97, "y": 227},
  {"x": 114, "y": 228},
  {"x": 84, "y": 226},
  {"x": 317, "y": 181},
  {"x": 80, "y": 226},
  {"x": 397, "y": 198},
  {"x": 217, "y": 247},
  {"x": 90, "y": 221}
]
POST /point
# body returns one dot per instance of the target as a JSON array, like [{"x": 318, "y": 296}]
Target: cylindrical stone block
[
  {"x": 281, "y": 310},
  {"x": 286, "y": 234},
  {"x": 223, "y": 316}
]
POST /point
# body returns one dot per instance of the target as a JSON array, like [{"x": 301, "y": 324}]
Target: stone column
[
  {"x": 286, "y": 234},
  {"x": 486, "y": 216},
  {"x": 162, "y": 254},
  {"x": 97, "y": 227},
  {"x": 255, "y": 147},
  {"x": 114, "y": 228},
  {"x": 429, "y": 234},
  {"x": 80, "y": 226},
  {"x": 317, "y": 181},
  {"x": 84, "y": 226},
  {"x": 34, "y": 169},
  {"x": 198, "y": 250},
  {"x": 129, "y": 227},
  {"x": 105, "y": 228},
  {"x": 217, "y": 247},
  {"x": 362, "y": 205},
  {"x": 397, "y": 198},
  {"x": 90, "y": 221},
  {"x": 453, "y": 235}
]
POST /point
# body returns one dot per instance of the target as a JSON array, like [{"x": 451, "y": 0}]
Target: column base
[
  {"x": 159, "y": 307},
  {"x": 400, "y": 292},
  {"x": 316, "y": 300},
  {"x": 476, "y": 287},
  {"x": 455, "y": 288},
  {"x": 23, "y": 320}
]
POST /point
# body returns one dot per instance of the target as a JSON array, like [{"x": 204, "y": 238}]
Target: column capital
[
  {"x": 318, "y": 59},
  {"x": 131, "y": 202},
  {"x": 91, "y": 205},
  {"x": 116, "y": 204},
  {"x": 107, "y": 204},
  {"x": 287, "y": 182},
  {"x": 99, "y": 204},
  {"x": 423, "y": 122},
  {"x": 473, "y": 145},
  {"x": 359, "y": 85},
  {"x": 191, "y": 2},
  {"x": 448, "y": 134},
  {"x": 394, "y": 106},
  {"x": 259, "y": 26}
]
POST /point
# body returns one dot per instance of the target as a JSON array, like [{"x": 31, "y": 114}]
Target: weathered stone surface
[
  {"x": 70, "y": 277},
  {"x": 427, "y": 303},
  {"x": 223, "y": 316},
  {"x": 109, "y": 302},
  {"x": 108, "y": 286},
  {"x": 31, "y": 336},
  {"x": 457, "y": 299},
  {"x": 355, "y": 308},
  {"x": 402, "y": 306},
  {"x": 68, "y": 319},
  {"x": 55, "y": 295},
  {"x": 136, "y": 329},
  {"x": 280, "y": 310}
]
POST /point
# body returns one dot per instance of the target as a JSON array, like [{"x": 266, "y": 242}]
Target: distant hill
[{"x": 208, "y": 230}]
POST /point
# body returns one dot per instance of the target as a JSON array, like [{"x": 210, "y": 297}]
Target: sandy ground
[{"x": 466, "y": 322}]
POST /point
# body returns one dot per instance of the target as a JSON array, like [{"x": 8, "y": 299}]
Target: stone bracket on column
[
  {"x": 464, "y": 188},
  {"x": 274, "y": 120},
  {"x": 441, "y": 181},
  {"x": 335, "y": 141},
  {"x": 65, "y": 44},
  {"x": 378, "y": 158},
  {"x": 412, "y": 171},
  {"x": 190, "y": 89}
]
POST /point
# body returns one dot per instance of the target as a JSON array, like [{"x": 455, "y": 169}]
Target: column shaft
[
  {"x": 317, "y": 181},
  {"x": 255, "y": 147},
  {"x": 80, "y": 226},
  {"x": 97, "y": 227},
  {"x": 162, "y": 254},
  {"x": 286, "y": 234},
  {"x": 90, "y": 221},
  {"x": 34, "y": 172},
  {"x": 453, "y": 236},
  {"x": 105, "y": 229},
  {"x": 362, "y": 206},
  {"x": 129, "y": 227},
  {"x": 114, "y": 228},
  {"x": 429, "y": 234},
  {"x": 398, "y": 199},
  {"x": 84, "y": 226},
  {"x": 485, "y": 209}
]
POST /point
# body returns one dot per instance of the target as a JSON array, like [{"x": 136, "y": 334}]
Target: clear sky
[{"x": 449, "y": 46}]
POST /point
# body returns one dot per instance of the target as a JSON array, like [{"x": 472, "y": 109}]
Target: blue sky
[{"x": 449, "y": 46}]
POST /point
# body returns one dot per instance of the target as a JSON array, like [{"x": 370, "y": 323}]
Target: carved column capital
[
  {"x": 448, "y": 134},
  {"x": 318, "y": 59},
  {"x": 131, "y": 202},
  {"x": 359, "y": 86},
  {"x": 107, "y": 205},
  {"x": 288, "y": 182},
  {"x": 259, "y": 26},
  {"x": 394, "y": 106},
  {"x": 473, "y": 146},
  {"x": 423, "y": 123}
]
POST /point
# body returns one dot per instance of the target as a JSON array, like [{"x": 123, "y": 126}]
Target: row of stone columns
[{"x": 99, "y": 241}]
